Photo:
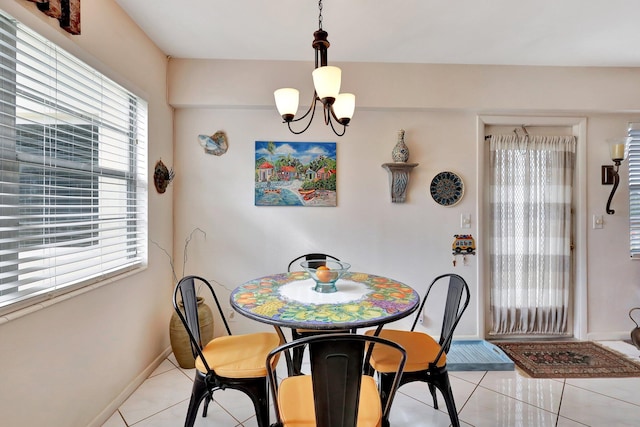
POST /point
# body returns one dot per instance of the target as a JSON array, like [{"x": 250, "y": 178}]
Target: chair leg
[
  {"x": 207, "y": 400},
  {"x": 258, "y": 392},
  {"x": 437, "y": 380},
  {"x": 298, "y": 354},
  {"x": 441, "y": 381},
  {"x": 198, "y": 392},
  {"x": 432, "y": 390},
  {"x": 385, "y": 382}
]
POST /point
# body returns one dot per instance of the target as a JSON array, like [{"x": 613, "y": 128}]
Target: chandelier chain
[{"x": 320, "y": 14}]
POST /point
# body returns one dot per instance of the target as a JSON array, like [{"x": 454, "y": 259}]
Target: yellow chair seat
[
  {"x": 239, "y": 356},
  {"x": 295, "y": 399},
  {"x": 421, "y": 350}
]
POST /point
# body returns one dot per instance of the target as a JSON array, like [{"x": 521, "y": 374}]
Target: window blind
[
  {"x": 634, "y": 188},
  {"x": 73, "y": 170}
]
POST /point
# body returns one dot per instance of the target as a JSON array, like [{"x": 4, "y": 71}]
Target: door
[{"x": 530, "y": 227}]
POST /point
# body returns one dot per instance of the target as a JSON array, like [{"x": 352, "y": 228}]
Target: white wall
[
  {"x": 65, "y": 364},
  {"x": 71, "y": 363},
  {"x": 438, "y": 106}
]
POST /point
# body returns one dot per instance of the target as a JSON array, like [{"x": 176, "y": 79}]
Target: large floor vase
[{"x": 180, "y": 338}]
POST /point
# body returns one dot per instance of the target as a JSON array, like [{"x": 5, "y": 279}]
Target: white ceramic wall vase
[{"x": 400, "y": 153}]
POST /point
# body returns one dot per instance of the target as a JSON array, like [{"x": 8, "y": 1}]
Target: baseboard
[
  {"x": 594, "y": 336},
  {"x": 107, "y": 412},
  {"x": 610, "y": 336}
]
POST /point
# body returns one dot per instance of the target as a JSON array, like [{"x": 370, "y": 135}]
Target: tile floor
[{"x": 492, "y": 399}]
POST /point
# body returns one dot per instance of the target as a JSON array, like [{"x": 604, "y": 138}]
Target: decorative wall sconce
[
  {"x": 618, "y": 152},
  {"x": 399, "y": 170},
  {"x": 338, "y": 107}
]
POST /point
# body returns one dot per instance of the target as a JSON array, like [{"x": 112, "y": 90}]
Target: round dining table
[{"x": 289, "y": 300}]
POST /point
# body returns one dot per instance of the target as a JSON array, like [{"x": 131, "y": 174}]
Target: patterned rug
[{"x": 569, "y": 359}]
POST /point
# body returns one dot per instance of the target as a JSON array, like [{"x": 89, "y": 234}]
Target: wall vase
[
  {"x": 400, "y": 153},
  {"x": 180, "y": 343}
]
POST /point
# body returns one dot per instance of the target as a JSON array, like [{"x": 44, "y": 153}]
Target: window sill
[{"x": 8, "y": 314}]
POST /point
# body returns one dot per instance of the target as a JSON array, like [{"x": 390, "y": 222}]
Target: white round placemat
[{"x": 302, "y": 291}]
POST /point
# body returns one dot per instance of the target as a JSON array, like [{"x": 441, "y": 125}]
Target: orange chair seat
[
  {"x": 295, "y": 400},
  {"x": 421, "y": 350},
  {"x": 239, "y": 356}
]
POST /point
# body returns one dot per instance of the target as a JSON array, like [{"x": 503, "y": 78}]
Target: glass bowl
[{"x": 325, "y": 273}]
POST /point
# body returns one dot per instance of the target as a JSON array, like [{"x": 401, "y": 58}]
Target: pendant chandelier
[{"x": 337, "y": 107}]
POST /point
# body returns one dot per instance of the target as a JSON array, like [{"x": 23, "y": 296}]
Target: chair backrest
[
  {"x": 453, "y": 309},
  {"x": 312, "y": 256},
  {"x": 185, "y": 295},
  {"x": 336, "y": 371}
]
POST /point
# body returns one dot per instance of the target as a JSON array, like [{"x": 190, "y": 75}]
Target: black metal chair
[
  {"x": 298, "y": 352},
  {"x": 336, "y": 394},
  {"x": 426, "y": 357},
  {"x": 231, "y": 361}
]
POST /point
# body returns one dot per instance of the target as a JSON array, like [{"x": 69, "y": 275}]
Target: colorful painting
[{"x": 295, "y": 173}]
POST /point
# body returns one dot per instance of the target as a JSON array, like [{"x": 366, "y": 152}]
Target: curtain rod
[{"x": 522, "y": 127}]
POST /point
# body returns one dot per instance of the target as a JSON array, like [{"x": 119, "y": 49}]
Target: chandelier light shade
[
  {"x": 344, "y": 106},
  {"x": 337, "y": 107},
  {"x": 287, "y": 100},
  {"x": 326, "y": 81}
]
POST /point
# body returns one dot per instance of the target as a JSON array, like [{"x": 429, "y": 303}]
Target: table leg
[{"x": 287, "y": 354}]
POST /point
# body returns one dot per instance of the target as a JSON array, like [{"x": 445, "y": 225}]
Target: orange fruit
[{"x": 324, "y": 274}]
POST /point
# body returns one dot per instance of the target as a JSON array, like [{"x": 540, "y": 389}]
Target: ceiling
[{"x": 505, "y": 32}]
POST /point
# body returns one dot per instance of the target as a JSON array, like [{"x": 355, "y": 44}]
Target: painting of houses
[{"x": 295, "y": 173}]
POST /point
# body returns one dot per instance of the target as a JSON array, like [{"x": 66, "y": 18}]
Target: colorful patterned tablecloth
[{"x": 288, "y": 299}]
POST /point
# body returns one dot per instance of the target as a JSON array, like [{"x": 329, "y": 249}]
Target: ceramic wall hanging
[
  {"x": 447, "y": 188},
  {"x": 215, "y": 144},
  {"x": 162, "y": 177}
]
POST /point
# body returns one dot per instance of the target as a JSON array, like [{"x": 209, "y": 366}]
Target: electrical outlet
[
  {"x": 424, "y": 320},
  {"x": 598, "y": 222}
]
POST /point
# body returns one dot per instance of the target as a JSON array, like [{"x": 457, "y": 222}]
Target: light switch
[
  {"x": 465, "y": 220},
  {"x": 598, "y": 222}
]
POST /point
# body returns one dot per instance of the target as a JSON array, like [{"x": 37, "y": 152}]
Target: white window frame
[
  {"x": 634, "y": 189},
  {"x": 73, "y": 166}
]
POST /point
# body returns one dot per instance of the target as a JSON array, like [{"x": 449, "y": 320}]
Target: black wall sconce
[{"x": 618, "y": 152}]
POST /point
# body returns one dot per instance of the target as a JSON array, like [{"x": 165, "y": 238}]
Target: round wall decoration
[{"x": 447, "y": 188}]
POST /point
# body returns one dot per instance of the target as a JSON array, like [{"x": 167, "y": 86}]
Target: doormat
[
  {"x": 477, "y": 355},
  {"x": 569, "y": 359}
]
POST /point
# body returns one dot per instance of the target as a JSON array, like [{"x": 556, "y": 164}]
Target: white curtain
[{"x": 530, "y": 233}]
